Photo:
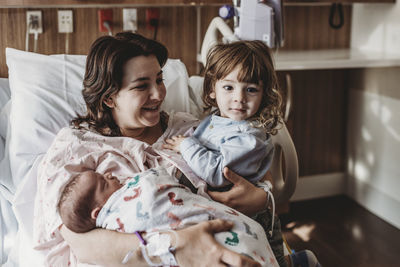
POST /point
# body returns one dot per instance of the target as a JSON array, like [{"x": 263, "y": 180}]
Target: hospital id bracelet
[
  {"x": 157, "y": 244},
  {"x": 267, "y": 187}
]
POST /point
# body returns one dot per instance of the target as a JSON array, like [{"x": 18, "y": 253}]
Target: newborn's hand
[{"x": 174, "y": 142}]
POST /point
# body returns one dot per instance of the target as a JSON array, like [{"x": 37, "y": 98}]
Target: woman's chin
[{"x": 151, "y": 117}]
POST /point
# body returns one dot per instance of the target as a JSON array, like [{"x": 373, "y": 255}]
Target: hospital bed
[{"x": 40, "y": 97}]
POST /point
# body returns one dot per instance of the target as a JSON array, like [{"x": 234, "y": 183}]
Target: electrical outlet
[
  {"x": 65, "y": 21},
  {"x": 34, "y": 21},
  {"x": 105, "y": 15},
  {"x": 130, "y": 19},
  {"x": 152, "y": 18}
]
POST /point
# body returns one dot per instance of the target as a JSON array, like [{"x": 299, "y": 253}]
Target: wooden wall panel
[
  {"x": 318, "y": 119},
  {"x": 55, "y": 3},
  {"x": 318, "y": 116},
  {"x": 336, "y": 1},
  {"x": 308, "y": 28},
  {"x": 177, "y": 31}
]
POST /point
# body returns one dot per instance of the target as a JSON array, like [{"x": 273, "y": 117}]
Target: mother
[{"x": 123, "y": 91}]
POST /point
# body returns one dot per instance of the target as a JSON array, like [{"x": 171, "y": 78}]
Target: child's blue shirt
[{"x": 219, "y": 142}]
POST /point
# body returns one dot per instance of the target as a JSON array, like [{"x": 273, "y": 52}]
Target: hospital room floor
[{"x": 341, "y": 233}]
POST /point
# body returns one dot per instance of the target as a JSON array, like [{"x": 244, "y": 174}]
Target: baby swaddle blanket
[{"x": 154, "y": 201}]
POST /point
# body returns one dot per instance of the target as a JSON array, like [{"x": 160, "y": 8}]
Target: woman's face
[{"x": 137, "y": 104}]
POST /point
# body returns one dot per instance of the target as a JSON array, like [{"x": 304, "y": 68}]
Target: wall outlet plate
[
  {"x": 152, "y": 17},
  {"x": 65, "y": 21},
  {"x": 105, "y": 15},
  {"x": 129, "y": 16},
  {"x": 34, "y": 21}
]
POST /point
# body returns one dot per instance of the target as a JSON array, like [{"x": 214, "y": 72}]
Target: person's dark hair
[
  {"x": 75, "y": 209},
  {"x": 255, "y": 60},
  {"x": 104, "y": 73}
]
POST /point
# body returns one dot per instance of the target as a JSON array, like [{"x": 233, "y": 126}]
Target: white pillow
[
  {"x": 6, "y": 182},
  {"x": 4, "y": 98},
  {"x": 4, "y": 92},
  {"x": 46, "y": 94},
  {"x": 5, "y": 176}
]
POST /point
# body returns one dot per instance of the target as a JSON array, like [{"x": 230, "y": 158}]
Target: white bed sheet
[{"x": 8, "y": 222}]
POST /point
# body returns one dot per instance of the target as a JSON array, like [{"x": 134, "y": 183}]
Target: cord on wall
[
  {"x": 67, "y": 43},
  {"x": 34, "y": 26},
  {"x": 106, "y": 25}
]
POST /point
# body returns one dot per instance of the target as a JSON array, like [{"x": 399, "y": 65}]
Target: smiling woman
[{"x": 129, "y": 70}]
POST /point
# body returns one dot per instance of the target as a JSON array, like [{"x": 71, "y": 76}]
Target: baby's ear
[{"x": 95, "y": 213}]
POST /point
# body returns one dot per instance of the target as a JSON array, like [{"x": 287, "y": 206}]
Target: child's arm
[{"x": 244, "y": 153}]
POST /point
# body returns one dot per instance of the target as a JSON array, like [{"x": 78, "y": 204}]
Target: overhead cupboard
[{"x": 51, "y": 3}]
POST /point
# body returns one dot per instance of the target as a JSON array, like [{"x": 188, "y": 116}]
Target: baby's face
[{"x": 101, "y": 185}]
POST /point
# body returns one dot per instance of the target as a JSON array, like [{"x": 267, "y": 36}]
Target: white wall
[
  {"x": 374, "y": 153},
  {"x": 376, "y": 27},
  {"x": 374, "y": 114}
]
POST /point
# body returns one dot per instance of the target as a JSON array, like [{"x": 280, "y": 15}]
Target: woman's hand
[
  {"x": 174, "y": 142},
  {"x": 243, "y": 196},
  {"x": 198, "y": 247}
]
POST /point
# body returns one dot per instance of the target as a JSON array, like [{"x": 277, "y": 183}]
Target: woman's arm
[
  {"x": 103, "y": 247},
  {"x": 195, "y": 246},
  {"x": 243, "y": 196}
]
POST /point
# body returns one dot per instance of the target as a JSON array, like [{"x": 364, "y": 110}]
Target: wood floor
[{"x": 341, "y": 233}]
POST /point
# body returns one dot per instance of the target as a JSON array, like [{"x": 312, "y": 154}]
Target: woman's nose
[{"x": 157, "y": 92}]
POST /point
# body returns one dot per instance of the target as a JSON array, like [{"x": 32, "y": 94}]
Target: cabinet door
[
  {"x": 317, "y": 121},
  {"x": 47, "y": 3},
  {"x": 338, "y": 1}
]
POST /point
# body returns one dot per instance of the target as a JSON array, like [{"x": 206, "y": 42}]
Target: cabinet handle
[{"x": 289, "y": 96}]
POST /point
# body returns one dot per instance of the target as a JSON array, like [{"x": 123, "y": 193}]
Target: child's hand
[{"x": 174, "y": 142}]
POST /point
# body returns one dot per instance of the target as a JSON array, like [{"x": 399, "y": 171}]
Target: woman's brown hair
[
  {"x": 104, "y": 73},
  {"x": 255, "y": 60}
]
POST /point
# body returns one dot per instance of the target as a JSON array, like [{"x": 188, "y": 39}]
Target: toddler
[
  {"x": 241, "y": 84},
  {"x": 241, "y": 90}
]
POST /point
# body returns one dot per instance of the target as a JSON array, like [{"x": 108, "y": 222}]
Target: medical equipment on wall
[{"x": 253, "y": 20}]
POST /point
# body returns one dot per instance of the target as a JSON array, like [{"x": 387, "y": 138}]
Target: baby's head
[
  {"x": 241, "y": 82},
  {"x": 83, "y": 197}
]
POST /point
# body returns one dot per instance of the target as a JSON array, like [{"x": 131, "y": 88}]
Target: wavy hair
[
  {"x": 256, "y": 62},
  {"x": 104, "y": 72}
]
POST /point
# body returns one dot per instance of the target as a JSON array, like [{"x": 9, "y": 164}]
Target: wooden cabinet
[
  {"x": 89, "y": 3},
  {"x": 337, "y": 1},
  {"x": 94, "y": 3}
]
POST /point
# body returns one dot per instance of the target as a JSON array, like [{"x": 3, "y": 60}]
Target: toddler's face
[
  {"x": 237, "y": 100},
  {"x": 102, "y": 185}
]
